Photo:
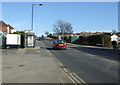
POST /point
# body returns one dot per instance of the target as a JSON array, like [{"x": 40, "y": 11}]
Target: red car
[{"x": 59, "y": 44}]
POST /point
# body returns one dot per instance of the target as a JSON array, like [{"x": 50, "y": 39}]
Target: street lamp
[{"x": 32, "y": 15}]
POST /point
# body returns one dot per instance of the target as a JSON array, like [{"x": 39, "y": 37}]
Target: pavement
[
  {"x": 31, "y": 65},
  {"x": 0, "y": 66}
]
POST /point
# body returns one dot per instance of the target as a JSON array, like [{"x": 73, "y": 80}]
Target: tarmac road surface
[{"x": 92, "y": 64}]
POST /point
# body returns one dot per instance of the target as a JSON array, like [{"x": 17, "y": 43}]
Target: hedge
[{"x": 95, "y": 40}]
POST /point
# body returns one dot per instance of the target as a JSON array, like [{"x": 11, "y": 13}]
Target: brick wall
[{"x": 3, "y": 26}]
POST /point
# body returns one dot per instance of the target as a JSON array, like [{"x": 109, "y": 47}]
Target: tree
[
  {"x": 50, "y": 35},
  {"x": 47, "y": 33},
  {"x": 19, "y": 32},
  {"x": 114, "y": 31},
  {"x": 61, "y": 27}
]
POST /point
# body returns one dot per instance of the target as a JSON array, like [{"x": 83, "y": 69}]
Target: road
[{"x": 93, "y": 65}]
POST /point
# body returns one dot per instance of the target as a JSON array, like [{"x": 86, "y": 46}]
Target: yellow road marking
[{"x": 65, "y": 70}]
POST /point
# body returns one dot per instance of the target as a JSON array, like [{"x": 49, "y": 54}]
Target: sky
[{"x": 84, "y": 16}]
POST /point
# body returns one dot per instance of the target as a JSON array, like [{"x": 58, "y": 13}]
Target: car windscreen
[{"x": 60, "y": 41}]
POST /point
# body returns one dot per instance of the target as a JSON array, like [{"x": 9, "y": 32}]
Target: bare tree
[
  {"x": 47, "y": 33},
  {"x": 61, "y": 27}
]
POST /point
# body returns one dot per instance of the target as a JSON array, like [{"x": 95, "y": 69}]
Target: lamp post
[{"x": 32, "y": 14}]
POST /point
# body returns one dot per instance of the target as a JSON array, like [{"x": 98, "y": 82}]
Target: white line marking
[
  {"x": 89, "y": 54},
  {"x": 38, "y": 51},
  {"x": 61, "y": 79},
  {"x": 79, "y": 78},
  {"x": 110, "y": 61},
  {"x": 76, "y": 50},
  {"x": 72, "y": 80},
  {"x": 77, "y": 81}
]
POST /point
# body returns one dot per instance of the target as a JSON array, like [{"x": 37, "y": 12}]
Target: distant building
[{"x": 5, "y": 27}]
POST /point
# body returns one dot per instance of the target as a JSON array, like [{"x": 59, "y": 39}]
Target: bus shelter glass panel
[{"x": 29, "y": 39}]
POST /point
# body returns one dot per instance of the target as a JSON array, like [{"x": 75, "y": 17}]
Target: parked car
[
  {"x": 40, "y": 38},
  {"x": 59, "y": 44}
]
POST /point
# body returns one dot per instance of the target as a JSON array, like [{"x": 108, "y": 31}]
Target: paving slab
[{"x": 32, "y": 65}]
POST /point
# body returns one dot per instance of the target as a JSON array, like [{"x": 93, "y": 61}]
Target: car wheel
[
  {"x": 64, "y": 48},
  {"x": 54, "y": 48}
]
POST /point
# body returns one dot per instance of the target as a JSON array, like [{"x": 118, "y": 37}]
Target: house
[
  {"x": 3, "y": 26},
  {"x": 13, "y": 30},
  {"x": 6, "y": 28},
  {"x": 9, "y": 28}
]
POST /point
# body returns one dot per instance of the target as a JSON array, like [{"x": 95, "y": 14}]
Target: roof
[
  {"x": 1, "y": 22},
  {"x": 10, "y": 26}
]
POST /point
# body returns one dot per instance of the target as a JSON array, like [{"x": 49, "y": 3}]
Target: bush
[
  {"x": 106, "y": 40},
  {"x": 83, "y": 40},
  {"x": 19, "y": 32},
  {"x": 101, "y": 40},
  {"x": 95, "y": 39}
]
